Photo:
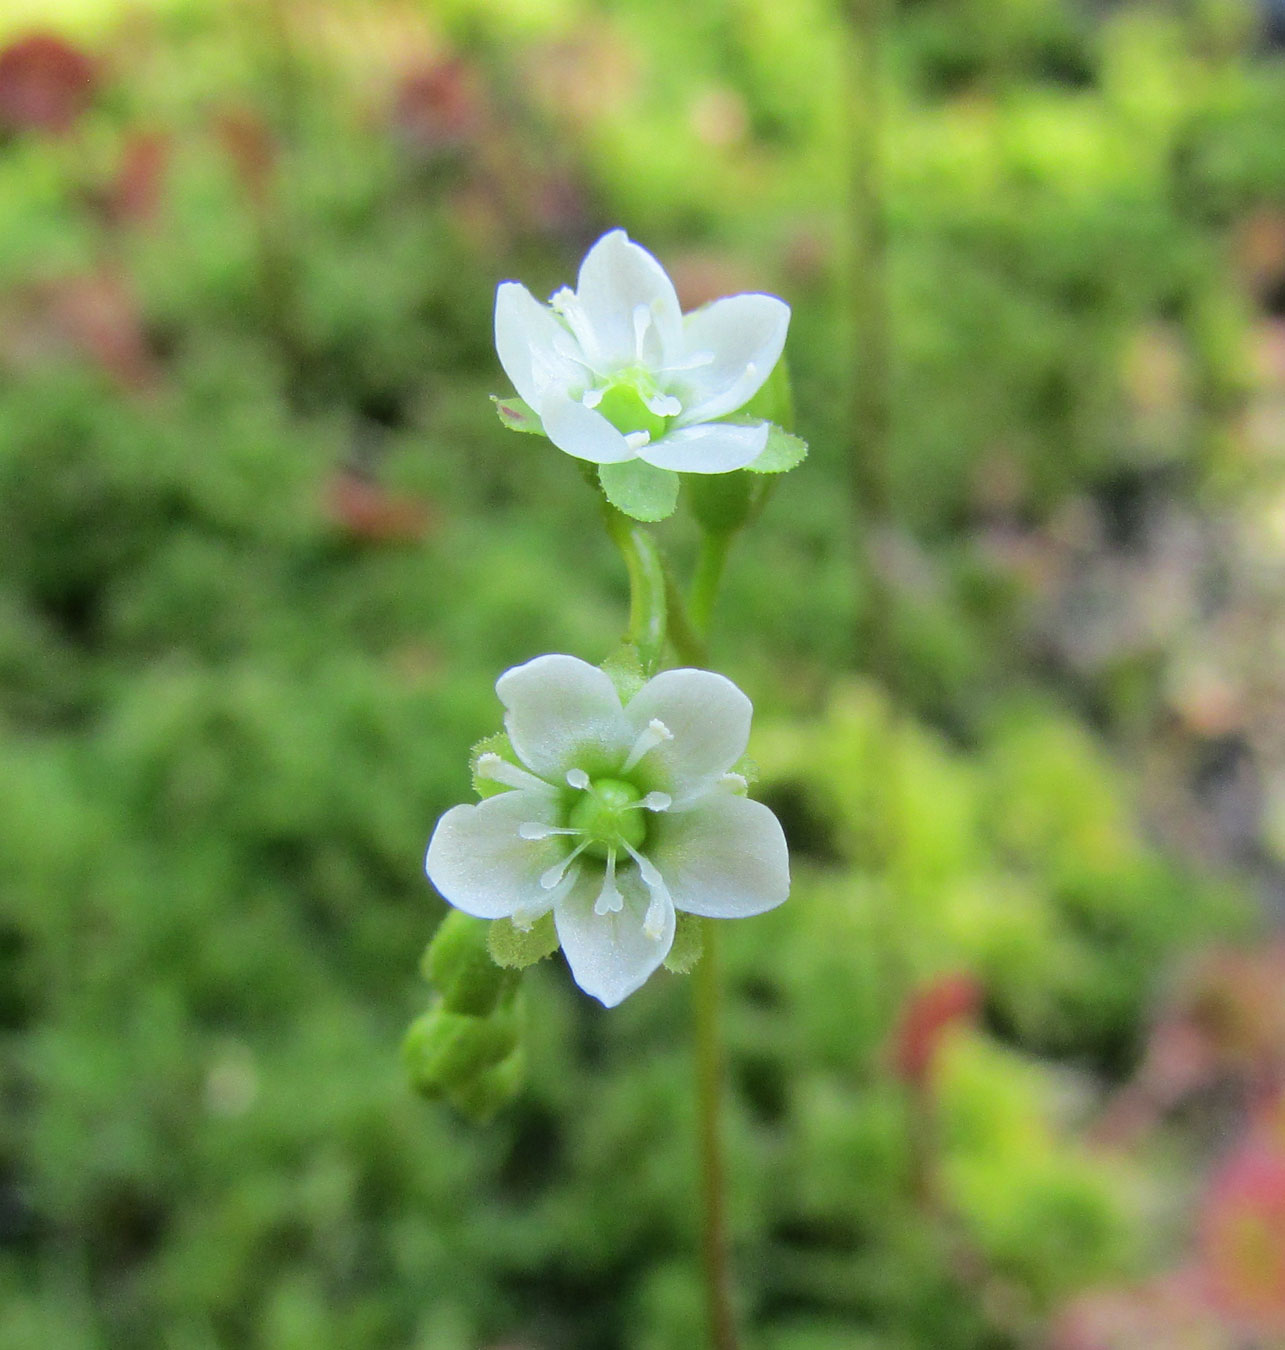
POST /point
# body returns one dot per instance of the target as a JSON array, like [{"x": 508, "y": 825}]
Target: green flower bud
[
  {"x": 720, "y": 502},
  {"x": 445, "y": 1050},
  {"x": 481, "y": 1096},
  {"x": 458, "y": 965}
]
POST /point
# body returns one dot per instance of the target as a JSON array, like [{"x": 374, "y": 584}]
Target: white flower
[
  {"x": 621, "y": 815},
  {"x": 615, "y": 371}
]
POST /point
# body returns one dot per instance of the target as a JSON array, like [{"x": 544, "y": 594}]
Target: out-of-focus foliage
[{"x": 264, "y": 549}]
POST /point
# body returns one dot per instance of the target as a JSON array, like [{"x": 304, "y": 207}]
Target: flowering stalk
[{"x": 614, "y": 822}]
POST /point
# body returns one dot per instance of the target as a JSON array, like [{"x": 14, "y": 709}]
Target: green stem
[
  {"x": 706, "y": 997},
  {"x": 709, "y": 573},
  {"x": 688, "y": 644},
  {"x": 647, "y": 586}
]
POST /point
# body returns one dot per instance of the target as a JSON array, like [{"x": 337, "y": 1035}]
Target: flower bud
[
  {"x": 458, "y": 965},
  {"x": 443, "y": 1051}
]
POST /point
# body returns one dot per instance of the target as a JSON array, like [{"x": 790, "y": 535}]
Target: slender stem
[
  {"x": 709, "y": 573},
  {"x": 688, "y": 644},
  {"x": 647, "y": 586},
  {"x": 706, "y": 996}
]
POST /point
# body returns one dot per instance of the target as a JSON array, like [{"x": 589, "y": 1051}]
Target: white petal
[
  {"x": 610, "y": 954},
  {"x": 713, "y": 447},
  {"x": 482, "y": 865},
  {"x": 531, "y": 344},
  {"x": 725, "y": 858},
  {"x": 746, "y": 334},
  {"x": 709, "y": 721},
  {"x": 562, "y": 713},
  {"x": 616, "y": 278},
  {"x": 581, "y": 431}
]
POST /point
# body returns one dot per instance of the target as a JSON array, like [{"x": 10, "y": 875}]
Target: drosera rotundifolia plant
[{"x": 614, "y": 819}]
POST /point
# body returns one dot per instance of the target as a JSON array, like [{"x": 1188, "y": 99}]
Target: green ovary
[
  {"x": 607, "y": 813},
  {"x": 624, "y": 405}
]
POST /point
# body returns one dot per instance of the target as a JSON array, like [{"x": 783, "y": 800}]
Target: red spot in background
[
  {"x": 368, "y": 512},
  {"x": 439, "y": 108},
  {"x": 250, "y": 145},
  {"x": 45, "y": 84},
  {"x": 928, "y": 1015},
  {"x": 134, "y": 195},
  {"x": 1242, "y": 1237},
  {"x": 94, "y": 317}
]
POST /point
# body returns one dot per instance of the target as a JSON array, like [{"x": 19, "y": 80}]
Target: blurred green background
[{"x": 1004, "y": 1071}]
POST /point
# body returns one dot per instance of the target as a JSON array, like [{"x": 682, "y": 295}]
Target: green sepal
[
  {"x": 689, "y": 945},
  {"x": 481, "y": 1096},
  {"x": 748, "y": 769},
  {"x": 624, "y": 668},
  {"x": 640, "y": 490},
  {"x": 518, "y": 415},
  {"x": 721, "y": 502},
  {"x": 782, "y": 452},
  {"x": 515, "y": 948},
  {"x": 443, "y": 1050},
  {"x": 498, "y": 744},
  {"x": 458, "y": 964}
]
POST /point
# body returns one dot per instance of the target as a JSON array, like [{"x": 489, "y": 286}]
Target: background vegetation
[{"x": 1005, "y": 1067}]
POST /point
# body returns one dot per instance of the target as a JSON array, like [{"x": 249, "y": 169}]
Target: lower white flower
[{"x": 621, "y": 815}]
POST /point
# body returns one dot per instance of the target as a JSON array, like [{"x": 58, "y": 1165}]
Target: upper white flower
[
  {"x": 616, "y": 371},
  {"x": 622, "y": 815}
]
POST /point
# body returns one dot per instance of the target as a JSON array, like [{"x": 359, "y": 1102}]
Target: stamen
[
  {"x": 609, "y": 900},
  {"x": 654, "y": 919},
  {"x": 591, "y": 398},
  {"x": 524, "y": 919},
  {"x": 734, "y": 782},
  {"x": 499, "y": 770},
  {"x": 653, "y": 801},
  {"x": 655, "y": 733},
  {"x": 554, "y": 875},
  {"x": 533, "y": 829},
  {"x": 694, "y": 361},
  {"x": 635, "y": 440},
  {"x": 567, "y": 303},
  {"x": 578, "y": 779},
  {"x": 661, "y": 901},
  {"x": 652, "y": 879},
  {"x": 663, "y": 405},
  {"x": 643, "y": 319}
]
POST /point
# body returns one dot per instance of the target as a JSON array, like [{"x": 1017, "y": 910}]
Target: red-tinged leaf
[{"x": 926, "y": 1019}]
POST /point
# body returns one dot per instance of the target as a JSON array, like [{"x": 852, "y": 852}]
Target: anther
[
  {"x": 534, "y": 829},
  {"x": 551, "y": 878},
  {"x": 609, "y": 901},
  {"x": 655, "y": 733},
  {"x": 499, "y": 770},
  {"x": 578, "y": 779}
]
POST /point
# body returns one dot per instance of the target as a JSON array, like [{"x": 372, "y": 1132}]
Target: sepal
[
  {"x": 518, "y": 415},
  {"x": 782, "y": 452},
  {"x": 516, "y": 948},
  {"x": 499, "y": 744},
  {"x": 624, "y": 668},
  {"x": 689, "y": 945},
  {"x": 640, "y": 490}
]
